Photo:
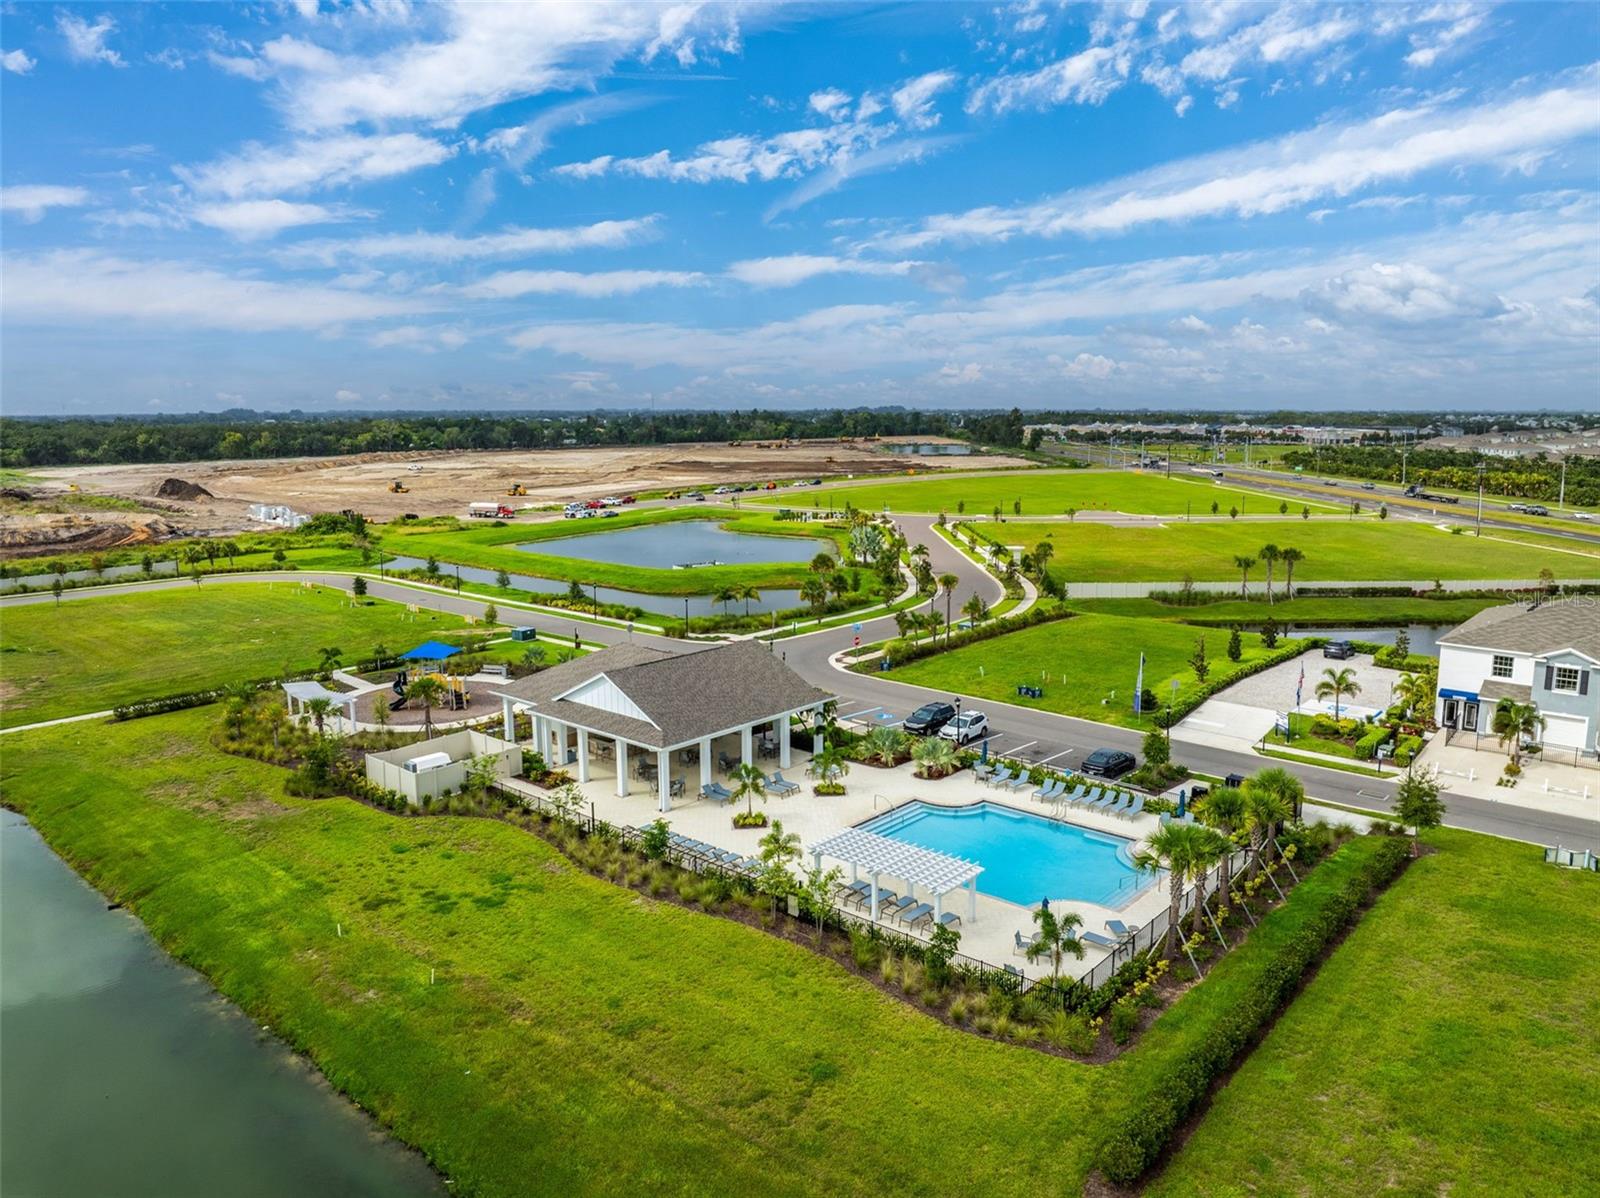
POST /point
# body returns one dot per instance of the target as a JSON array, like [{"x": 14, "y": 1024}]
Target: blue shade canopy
[{"x": 430, "y": 651}]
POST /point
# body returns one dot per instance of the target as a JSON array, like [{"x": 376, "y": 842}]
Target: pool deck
[{"x": 870, "y": 791}]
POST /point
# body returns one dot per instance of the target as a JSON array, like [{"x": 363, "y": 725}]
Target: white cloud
[
  {"x": 913, "y": 101},
  {"x": 951, "y": 375},
  {"x": 1328, "y": 161},
  {"x": 1429, "y": 46},
  {"x": 450, "y": 247},
  {"x": 1090, "y": 366},
  {"x": 427, "y": 339},
  {"x": 16, "y": 61},
  {"x": 791, "y": 269},
  {"x": 741, "y": 159},
  {"x": 31, "y": 201},
  {"x": 85, "y": 287},
  {"x": 317, "y": 162},
  {"x": 847, "y": 166},
  {"x": 1087, "y": 77},
  {"x": 252, "y": 219},
  {"x": 830, "y": 102},
  {"x": 472, "y": 56},
  {"x": 593, "y": 285},
  {"x": 86, "y": 42},
  {"x": 1405, "y": 293},
  {"x": 519, "y": 144},
  {"x": 345, "y": 395}
]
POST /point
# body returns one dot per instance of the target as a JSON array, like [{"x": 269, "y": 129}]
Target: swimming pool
[{"x": 1025, "y": 857}]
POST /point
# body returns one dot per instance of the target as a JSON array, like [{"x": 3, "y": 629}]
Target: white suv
[{"x": 966, "y": 727}]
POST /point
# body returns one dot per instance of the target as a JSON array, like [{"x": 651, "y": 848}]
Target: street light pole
[{"x": 1479, "y": 531}]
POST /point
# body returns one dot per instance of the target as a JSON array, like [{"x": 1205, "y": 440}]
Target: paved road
[{"x": 1034, "y": 735}]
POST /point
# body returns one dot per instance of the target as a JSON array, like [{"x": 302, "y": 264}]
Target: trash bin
[{"x": 1233, "y": 780}]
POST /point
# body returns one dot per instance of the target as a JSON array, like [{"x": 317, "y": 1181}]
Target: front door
[
  {"x": 1452, "y": 713},
  {"x": 1469, "y": 714}
]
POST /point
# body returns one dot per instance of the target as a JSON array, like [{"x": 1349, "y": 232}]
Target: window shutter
[
  {"x": 1549, "y": 678},
  {"x": 1583, "y": 683}
]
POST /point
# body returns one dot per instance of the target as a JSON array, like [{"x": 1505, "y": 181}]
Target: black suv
[
  {"x": 1107, "y": 763},
  {"x": 929, "y": 718}
]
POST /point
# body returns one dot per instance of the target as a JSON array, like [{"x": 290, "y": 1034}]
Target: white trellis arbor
[{"x": 878, "y": 857}]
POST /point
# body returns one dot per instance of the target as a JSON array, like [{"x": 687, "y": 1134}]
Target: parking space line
[
  {"x": 862, "y": 712},
  {"x": 1063, "y": 753},
  {"x": 1019, "y": 748}
]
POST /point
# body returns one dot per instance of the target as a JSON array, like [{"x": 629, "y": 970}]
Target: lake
[
  {"x": 683, "y": 543},
  {"x": 1424, "y": 637},
  {"x": 127, "y": 1074}
]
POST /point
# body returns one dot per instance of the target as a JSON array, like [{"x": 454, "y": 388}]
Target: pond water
[
  {"x": 684, "y": 543},
  {"x": 929, "y": 449},
  {"x": 126, "y": 1073},
  {"x": 108, "y": 574},
  {"x": 1424, "y": 637},
  {"x": 667, "y": 605}
]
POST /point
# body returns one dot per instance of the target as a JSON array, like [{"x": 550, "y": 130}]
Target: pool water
[{"x": 1025, "y": 857}]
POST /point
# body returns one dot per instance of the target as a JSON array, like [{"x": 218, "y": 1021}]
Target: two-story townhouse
[{"x": 1547, "y": 654}]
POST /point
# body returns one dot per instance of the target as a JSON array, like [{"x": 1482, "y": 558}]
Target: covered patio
[
  {"x": 879, "y": 857},
  {"x": 299, "y": 694},
  {"x": 673, "y": 722}
]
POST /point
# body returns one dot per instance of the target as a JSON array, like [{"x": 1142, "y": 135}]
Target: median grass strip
[
  {"x": 1087, "y": 665},
  {"x": 93, "y": 653},
  {"x": 1450, "y": 1045}
]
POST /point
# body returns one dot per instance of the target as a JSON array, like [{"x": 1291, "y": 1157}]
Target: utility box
[{"x": 523, "y": 634}]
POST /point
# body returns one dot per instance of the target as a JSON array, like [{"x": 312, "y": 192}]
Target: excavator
[
  {"x": 398, "y": 488},
  {"x": 516, "y": 489}
]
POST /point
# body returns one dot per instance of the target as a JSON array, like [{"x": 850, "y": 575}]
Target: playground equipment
[
  {"x": 456, "y": 695},
  {"x": 398, "y": 488}
]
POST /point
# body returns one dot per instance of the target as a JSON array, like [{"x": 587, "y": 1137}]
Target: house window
[
  {"x": 1566, "y": 679},
  {"x": 1502, "y": 665}
]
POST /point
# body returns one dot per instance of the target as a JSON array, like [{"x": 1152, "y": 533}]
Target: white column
[
  {"x": 541, "y": 738},
  {"x": 664, "y": 780},
  {"x": 781, "y": 726},
  {"x": 622, "y": 768},
  {"x": 747, "y": 744},
  {"x": 938, "y": 907},
  {"x": 705, "y": 762},
  {"x": 509, "y": 717},
  {"x": 816, "y": 733},
  {"x": 558, "y": 744},
  {"x": 874, "y": 897},
  {"x": 972, "y": 901},
  {"x": 583, "y": 754}
]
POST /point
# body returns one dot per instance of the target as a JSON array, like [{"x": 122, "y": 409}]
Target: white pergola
[
  {"x": 878, "y": 856},
  {"x": 301, "y": 693}
]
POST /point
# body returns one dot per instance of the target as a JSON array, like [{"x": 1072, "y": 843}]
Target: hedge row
[
  {"x": 148, "y": 707},
  {"x": 1143, "y": 1134},
  {"x": 902, "y": 652},
  {"x": 1285, "y": 652}
]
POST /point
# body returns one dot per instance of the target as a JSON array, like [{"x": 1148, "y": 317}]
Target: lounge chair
[
  {"x": 856, "y": 889},
  {"x": 1076, "y": 796},
  {"x": 1096, "y": 939},
  {"x": 1118, "y": 929},
  {"x": 949, "y": 919},
  {"x": 1138, "y": 806},
  {"x": 1049, "y": 790},
  {"x": 1000, "y": 775},
  {"x": 982, "y": 770},
  {"x": 1105, "y": 802},
  {"x": 1122, "y": 804},
  {"x": 897, "y": 908},
  {"x": 1017, "y": 783},
  {"x": 918, "y": 914},
  {"x": 886, "y": 899},
  {"x": 1013, "y": 971},
  {"x": 1093, "y": 797},
  {"x": 716, "y": 793},
  {"x": 782, "y": 785}
]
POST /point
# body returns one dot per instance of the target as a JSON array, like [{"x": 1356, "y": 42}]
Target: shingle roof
[
  {"x": 685, "y": 696},
  {"x": 1546, "y": 628},
  {"x": 1497, "y": 688}
]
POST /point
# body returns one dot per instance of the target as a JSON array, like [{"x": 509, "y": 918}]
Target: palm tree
[
  {"x": 1055, "y": 939},
  {"x": 748, "y": 593},
  {"x": 884, "y": 745},
  {"x": 230, "y": 550},
  {"x": 1264, "y": 809},
  {"x": 948, "y": 583},
  {"x": 919, "y": 553},
  {"x": 1245, "y": 564},
  {"x": 1289, "y": 556},
  {"x": 814, "y": 592},
  {"x": 319, "y": 710},
  {"x": 975, "y": 609},
  {"x": 725, "y": 596},
  {"x": 828, "y": 765},
  {"x": 1042, "y": 553},
  {"x": 1336, "y": 684},
  {"x": 1513, "y": 723},
  {"x": 276, "y": 716},
  {"x": 749, "y": 784},
  {"x": 1224, "y": 810},
  {"x": 779, "y": 847},
  {"x": 1413, "y": 692},
  {"x": 329, "y": 660},
  {"x": 823, "y": 563},
  {"x": 428, "y": 691},
  {"x": 1270, "y": 553},
  {"x": 1184, "y": 850},
  {"x": 838, "y": 584},
  {"x": 935, "y": 756}
]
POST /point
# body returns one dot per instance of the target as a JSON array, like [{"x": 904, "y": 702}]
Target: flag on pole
[
  {"x": 1138, "y": 687},
  {"x": 1300, "y": 685}
]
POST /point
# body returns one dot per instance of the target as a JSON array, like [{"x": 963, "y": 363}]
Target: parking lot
[{"x": 1002, "y": 742}]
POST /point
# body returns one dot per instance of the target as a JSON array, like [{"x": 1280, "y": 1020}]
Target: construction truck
[
  {"x": 398, "y": 488},
  {"x": 516, "y": 489}
]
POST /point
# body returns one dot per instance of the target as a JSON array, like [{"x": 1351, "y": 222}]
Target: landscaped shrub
[
  {"x": 1138, "y": 1138},
  {"x": 1407, "y": 749},
  {"x": 906, "y": 652},
  {"x": 1367, "y": 746}
]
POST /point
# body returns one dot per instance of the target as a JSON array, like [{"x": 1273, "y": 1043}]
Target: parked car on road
[
  {"x": 929, "y": 718},
  {"x": 1107, "y": 763},
  {"x": 1339, "y": 650},
  {"x": 1537, "y": 509},
  {"x": 966, "y": 727},
  {"x": 1369, "y": 486},
  {"x": 696, "y": 496}
]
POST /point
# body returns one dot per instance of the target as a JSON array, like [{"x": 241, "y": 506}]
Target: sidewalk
[{"x": 1558, "y": 789}]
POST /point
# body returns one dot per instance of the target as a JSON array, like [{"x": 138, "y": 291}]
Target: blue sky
[{"x": 392, "y": 205}]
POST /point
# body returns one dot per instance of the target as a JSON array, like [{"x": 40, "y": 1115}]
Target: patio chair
[
  {"x": 1122, "y": 803},
  {"x": 1019, "y": 946},
  {"x": 724, "y": 762},
  {"x": 715, "y": 792},
  {"x": 1076, "y": 796},
  {"x": 1013, "y": 971},
  {"x": 886, "y": 899},
  {"x": 982, "y": 770},
  {"x": 1017, "y": 783},
  {"x": 1138, "y": 806},
  {"x": 675, "y": 787},
  {"x": 855, "y": 891},
  {"x": 1118, "y": 929},
  {"x": 1090, "y": 799},
  {"x": 1047, "y": 790},
  {"x": 1000, "y": 775},
  {"x": 1096, "y": 939},
  {"x": 782, "y": 785},
  {"x": 1104, "y": 801},
  {"x": 949, "y": 919},
  {"x": 895, "y": 909},
  {"x": 922, "y": 912}
]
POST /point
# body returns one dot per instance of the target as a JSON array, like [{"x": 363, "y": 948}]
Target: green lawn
[
  {"x": 91, "y": 654},
  {"x": 1080, "y": 662},
  {"x": 1329, "y": 612},
  {"x": 1335, "y": 550},
  {"x": 1451, "y": 1045},
  {"x": 1041, "y": 493},
  {"x": 494, "y": 548}
]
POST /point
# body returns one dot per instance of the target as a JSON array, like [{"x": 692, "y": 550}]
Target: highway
[{"x": 1030, "y": 735}]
